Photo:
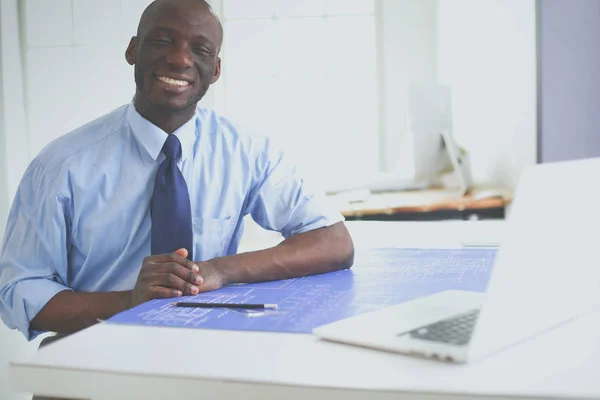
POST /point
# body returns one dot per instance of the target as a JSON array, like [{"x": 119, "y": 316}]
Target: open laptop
[{"x": 546, "y": 274}]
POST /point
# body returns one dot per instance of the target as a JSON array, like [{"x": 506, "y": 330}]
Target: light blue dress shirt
[{"x": 80, "y": 219}]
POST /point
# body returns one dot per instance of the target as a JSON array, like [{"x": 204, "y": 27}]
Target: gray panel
[{"x": 569, "y": 67}]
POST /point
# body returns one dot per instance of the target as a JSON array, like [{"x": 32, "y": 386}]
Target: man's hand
[
  {"x": 212, "y": 275},
  {"x": 166, "y": 275}
]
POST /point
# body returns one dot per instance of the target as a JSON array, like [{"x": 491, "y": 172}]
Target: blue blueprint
[{"x": 379, "y": 278}]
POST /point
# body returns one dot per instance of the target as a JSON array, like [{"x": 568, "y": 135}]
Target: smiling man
[{"x": 148, "y": 201}]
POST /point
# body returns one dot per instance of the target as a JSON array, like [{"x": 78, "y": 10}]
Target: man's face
[{"x": 175, "y": 55}]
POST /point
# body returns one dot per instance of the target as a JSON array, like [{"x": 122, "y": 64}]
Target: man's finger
[
  {"x": 173, "y": 281},
  {"x": 170, "y": 280},
  {"x": 182, "y": 252},
  {"x": 176, "y": 258},
  {"x": 160, "y": 292},
  {"x": 180, "y": 271}
]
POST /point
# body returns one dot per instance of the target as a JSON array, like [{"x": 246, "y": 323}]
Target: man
[{"x": 147, "y": 201}]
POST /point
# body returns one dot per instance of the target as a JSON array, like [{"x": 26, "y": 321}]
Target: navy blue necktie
[{"x": 170, "y": 206}]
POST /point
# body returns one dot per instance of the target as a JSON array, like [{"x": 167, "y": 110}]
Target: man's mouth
[{"x": 173, "y": 82}]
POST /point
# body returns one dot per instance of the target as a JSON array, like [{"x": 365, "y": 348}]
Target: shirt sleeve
[
  {"x": 281, "y": 200},
  {"x": 33, "y": 256}
]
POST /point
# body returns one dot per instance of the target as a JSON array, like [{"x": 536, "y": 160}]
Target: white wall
[
  {"x": 485, "y": 49},
  {"x": 13, "y": 160},
  {"x": 75, "y": 68},
  {"x": 14, "y": 120},
  {"x": 487, "y": 53}
]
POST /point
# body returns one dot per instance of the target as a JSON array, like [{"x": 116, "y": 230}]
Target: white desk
[{"x": 131, "y": 362}]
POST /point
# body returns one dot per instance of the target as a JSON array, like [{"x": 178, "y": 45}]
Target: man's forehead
[{"x": 173, "y": 13}]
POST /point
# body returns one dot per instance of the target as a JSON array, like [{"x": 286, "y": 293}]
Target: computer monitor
[
  {"x": 430, "y": 127},
  {"x": 429, "y": 150}
]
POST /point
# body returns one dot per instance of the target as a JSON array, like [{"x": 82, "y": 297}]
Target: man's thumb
[{"x": 182, "y": 252}]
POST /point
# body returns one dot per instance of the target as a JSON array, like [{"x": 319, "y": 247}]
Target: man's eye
[
  {"x": 161, "y": 40},
  {"x": 202, "y": 51}
]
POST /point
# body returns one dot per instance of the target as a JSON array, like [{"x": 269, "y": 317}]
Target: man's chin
[
  {"x": 171, "y": 103},
  {"x": 175, "y": 106}
]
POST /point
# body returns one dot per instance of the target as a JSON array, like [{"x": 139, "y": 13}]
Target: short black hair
[{"x": 148, "y": 12}]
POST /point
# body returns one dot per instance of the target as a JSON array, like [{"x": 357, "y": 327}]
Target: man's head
[{"x": 175, "y": 54}]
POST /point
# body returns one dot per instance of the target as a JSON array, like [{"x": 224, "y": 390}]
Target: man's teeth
[{"x": 171, "y": 81}]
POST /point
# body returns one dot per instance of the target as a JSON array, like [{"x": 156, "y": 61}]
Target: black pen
[{"x": 222, "y": 305}]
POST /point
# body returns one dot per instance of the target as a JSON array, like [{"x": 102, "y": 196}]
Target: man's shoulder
[
  {"x": 81, "y": 140},
  {"x": 231, "y": 133}
]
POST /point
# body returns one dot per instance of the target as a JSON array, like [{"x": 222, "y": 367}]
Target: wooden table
[{"x": 423, "y": 205}]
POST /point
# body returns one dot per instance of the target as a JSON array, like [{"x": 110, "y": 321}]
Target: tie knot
[{"x": 172, "y": 147}]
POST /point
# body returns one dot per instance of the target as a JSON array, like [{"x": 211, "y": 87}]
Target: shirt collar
[{"x": 153, "y": 138}]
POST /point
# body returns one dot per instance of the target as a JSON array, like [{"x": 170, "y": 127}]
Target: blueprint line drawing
[{"x": 379, "y": 278}]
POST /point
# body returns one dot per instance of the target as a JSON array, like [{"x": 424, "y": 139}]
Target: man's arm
[
  {"x": 69, "y": 311},
  {"x": 318, "y": 251},
  {"x": 279, "y": 199},
  {"x": 161, "y": 276}
]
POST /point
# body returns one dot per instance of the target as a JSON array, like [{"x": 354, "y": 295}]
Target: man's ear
[
  {"x": 130, "y": 52},
  {"x": 217, "y": 72}
]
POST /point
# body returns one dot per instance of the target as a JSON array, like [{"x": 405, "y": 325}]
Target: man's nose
[{"x": 180, "y": 57}]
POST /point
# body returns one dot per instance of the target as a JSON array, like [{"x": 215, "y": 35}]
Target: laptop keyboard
[{"x": 454, "y": 330}]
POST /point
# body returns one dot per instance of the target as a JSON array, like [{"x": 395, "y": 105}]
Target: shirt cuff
[
  {"x": 31, "y": 296},
  {"x": 313, "y": 214}
]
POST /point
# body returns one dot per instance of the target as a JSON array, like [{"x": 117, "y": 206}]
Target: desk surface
[{"x": 119, "y": 362}]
